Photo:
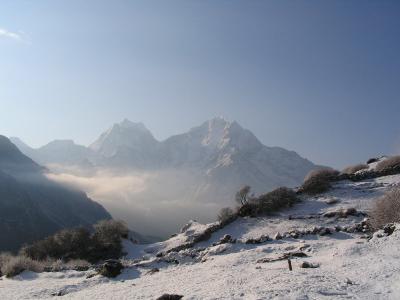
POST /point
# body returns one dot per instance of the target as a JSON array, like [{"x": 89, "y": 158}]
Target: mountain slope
[
  {"x": 127, "y": 145},
  {"x": 32, "y": 207},
  {"x": 347, "y": 261},
  {"x": 230, "y": 156},
  {"x": 58, "y": 152}
]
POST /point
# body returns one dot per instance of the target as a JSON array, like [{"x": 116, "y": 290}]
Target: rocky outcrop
[{"x": 110, "y": 268}]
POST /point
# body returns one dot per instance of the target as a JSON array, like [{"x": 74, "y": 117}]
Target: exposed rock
[
  {"x": 325, "y": 231},
  {"x": 260, "y": 240},
  {"x": 59, "y": 293},
  {"x": 153, "y": 271},
  {"x": 170, "y": 297},
  {"x": 110, "y": 268},
  {"x": 226, "y": 239},
  {"x": 342, "y": 213},
  {"x": 331, "y": 201},
  {"x": 330, "y": 214},
  {"x": 388, "y": 229},
  {"x": 278, "y": 236},
  {"x": 306, "y": 265},
  {"x": 351, "y": 211}
]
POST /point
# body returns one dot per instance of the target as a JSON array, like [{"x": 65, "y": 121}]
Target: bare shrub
[
  {"x": 318, "y": 181},
  {"x": 77, "y": 264},
  {"x": 386, "y": 209},
  {"x": 242, "y": 196},
  {"x": 372, "y": 160},
  {"x": 79, "y": 243},
  {"x": 322, "y": 173},
  {"x": 355, "y": 168},
  {"x": 65, "y": 244},
  {"x": 388, "y": 164},
  {"x": 107, "y": 239},
  {"x": 271, "y": 202},
  {"x": 226, "y": 215},
  {"x": 15, "y": 265},
  {"x": 277, "y": 199},
  {"x": 57, "y": 265}
]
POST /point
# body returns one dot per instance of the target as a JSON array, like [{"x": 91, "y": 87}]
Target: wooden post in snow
[{"x": 290, "y": 264}]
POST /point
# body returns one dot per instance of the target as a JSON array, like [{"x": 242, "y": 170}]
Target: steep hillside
[{"x": 32, "y": 207}]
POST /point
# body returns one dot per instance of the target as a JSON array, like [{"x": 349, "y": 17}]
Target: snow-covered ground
[{"x": 350, "y": 266}]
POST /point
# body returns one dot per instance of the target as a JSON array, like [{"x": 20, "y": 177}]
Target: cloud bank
[{"x": 152, "y": 203}]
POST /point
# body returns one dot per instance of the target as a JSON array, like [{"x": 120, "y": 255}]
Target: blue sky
[{"x": 318, "y": 77}]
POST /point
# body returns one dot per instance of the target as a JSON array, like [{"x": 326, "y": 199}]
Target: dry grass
[
  {"x": 387, "y": 164},
  {"x": 14, "y": 265},
  {"x": 355, "y": 168},
  {"x": 386, "y": 209}
]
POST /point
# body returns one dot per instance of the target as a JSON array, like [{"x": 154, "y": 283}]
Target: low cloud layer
[{"x": 152, "y": 203}]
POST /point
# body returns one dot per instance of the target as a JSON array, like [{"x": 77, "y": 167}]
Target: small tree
[{"x": 242, "y": 196}]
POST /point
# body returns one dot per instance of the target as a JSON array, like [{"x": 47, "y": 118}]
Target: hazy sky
[{"x": 318, "y": 77}]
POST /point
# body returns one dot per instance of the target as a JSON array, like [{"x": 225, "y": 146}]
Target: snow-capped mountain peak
[{"x": 125, "y": 134}]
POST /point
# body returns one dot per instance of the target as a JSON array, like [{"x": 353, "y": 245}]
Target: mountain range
[{"x": 219, "y": 152}]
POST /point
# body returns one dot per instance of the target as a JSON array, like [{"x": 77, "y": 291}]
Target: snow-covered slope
[{"x": 348, "y": 264}]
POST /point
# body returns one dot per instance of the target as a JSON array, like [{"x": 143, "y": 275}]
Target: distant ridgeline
[{"x": 33, "y": 207}]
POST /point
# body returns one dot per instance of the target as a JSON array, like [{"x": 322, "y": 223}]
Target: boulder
[
  {"x": 331, "y": 201},
  {"x": 259, "y": 240},
  {"x": 153, "y": 271},
  {"x": 111, "y": 268},
  {"x": 388, "y": 229},
  {"x": 306, "y": 265},
  {"x": 324, "y": 231},
  {"x": 278, "y": 236},
  {"x": 170, "y": 297},
  {"x": 227, "y": 239}
]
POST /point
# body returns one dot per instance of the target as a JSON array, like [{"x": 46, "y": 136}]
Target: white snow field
[{"x": 350, "y": 266}]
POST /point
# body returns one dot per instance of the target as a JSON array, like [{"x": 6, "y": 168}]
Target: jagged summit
[
  {"x": 125, "y": 134},
  {"x": 126, "y": 123}
]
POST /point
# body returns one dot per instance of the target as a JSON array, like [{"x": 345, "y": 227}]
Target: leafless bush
[
  {"x": 226, "y": 215},
  {"x": 271, "y": 202},
  {"x": 72, "y": 244},
  {"x": 386, "y": 209},
  {"x": 387, "y": 164},
  {"x": 322, "y": 173},
  {"x": 354, "y": 169},
  {"x": 15, "y": 265},
  {"x": 242, "y": 196},
  {"x": 12, "y": 265},
  {"x": 318, "y": 181}
]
